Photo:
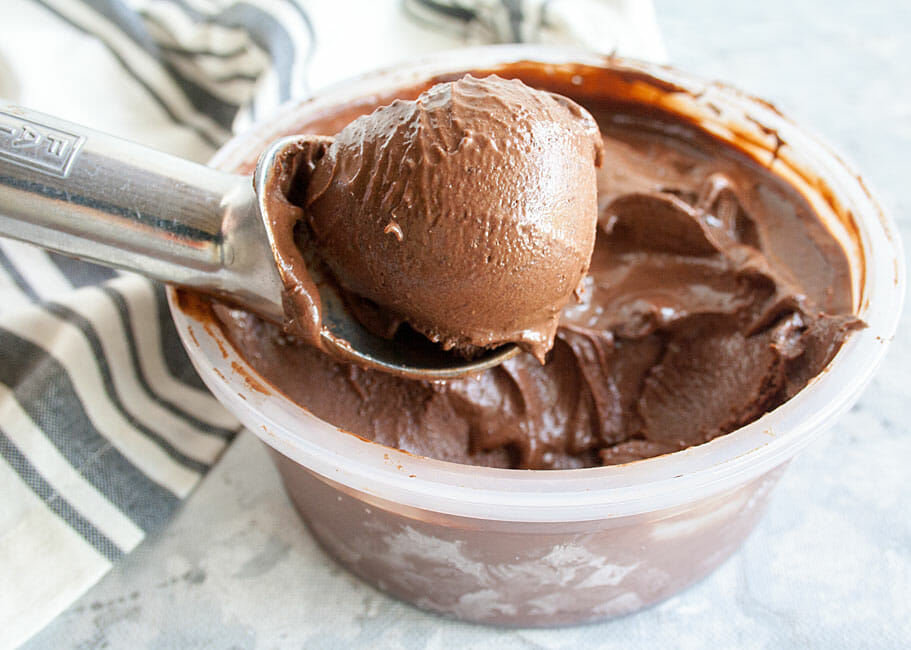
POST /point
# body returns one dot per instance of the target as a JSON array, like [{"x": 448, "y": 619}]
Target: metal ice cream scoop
[{"x": 90, "y": 195}]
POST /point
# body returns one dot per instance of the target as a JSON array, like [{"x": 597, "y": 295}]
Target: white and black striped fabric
[{"x": 104, "y": 425}]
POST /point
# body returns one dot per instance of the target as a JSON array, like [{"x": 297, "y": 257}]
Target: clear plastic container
[{"x": 520, "y": 547}]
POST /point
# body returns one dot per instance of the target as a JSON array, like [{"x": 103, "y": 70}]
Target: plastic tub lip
[{"x": 644, "y": 486}]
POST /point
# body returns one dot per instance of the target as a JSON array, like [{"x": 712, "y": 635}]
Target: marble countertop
[{"x": 829, "y": 566}]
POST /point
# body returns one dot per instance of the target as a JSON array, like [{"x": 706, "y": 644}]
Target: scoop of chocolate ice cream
[
  {"x": 715, "y": 293},
  {"x": 469, "y": 213}
]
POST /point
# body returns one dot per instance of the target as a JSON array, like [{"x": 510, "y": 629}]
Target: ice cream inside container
[{"x": 578, "y": 506}]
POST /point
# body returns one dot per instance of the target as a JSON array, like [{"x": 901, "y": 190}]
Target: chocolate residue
[{"x": 300, "y": 297}]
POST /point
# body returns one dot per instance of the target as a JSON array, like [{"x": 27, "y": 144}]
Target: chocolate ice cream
[
  {"x": 468, "y": 213},
  {"x": 715, "y": 293}
]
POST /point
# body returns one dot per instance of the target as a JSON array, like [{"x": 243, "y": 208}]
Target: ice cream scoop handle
[{"x": 93, "y": 196}]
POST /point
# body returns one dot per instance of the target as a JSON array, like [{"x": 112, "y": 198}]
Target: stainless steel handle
[{"x": 94, "y": 196}]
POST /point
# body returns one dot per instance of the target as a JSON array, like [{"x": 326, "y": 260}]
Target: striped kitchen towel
[{"x": 104, "y": 425}]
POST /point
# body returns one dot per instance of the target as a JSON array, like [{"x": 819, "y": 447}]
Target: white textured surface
[{"x": 830, "y": 565}]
